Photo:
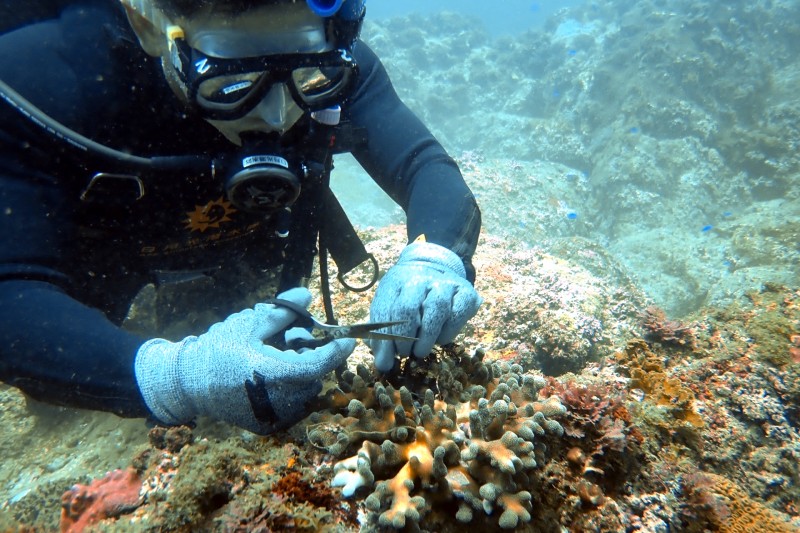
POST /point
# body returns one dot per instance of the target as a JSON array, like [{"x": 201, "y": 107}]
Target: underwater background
[
  {"x": 638, "y": 169},
  {"x": 676, "y": 124}
]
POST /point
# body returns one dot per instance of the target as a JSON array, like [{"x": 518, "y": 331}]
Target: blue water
[{"x": 504, "y": 17}]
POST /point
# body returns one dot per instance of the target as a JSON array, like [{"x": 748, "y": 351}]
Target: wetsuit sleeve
[
  {"x": 52, "y": 346},
  {"x": 405, "y": 159},
  {"x": 61, "y": 352}
]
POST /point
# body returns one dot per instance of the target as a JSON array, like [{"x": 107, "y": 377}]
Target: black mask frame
[{"x": 194, "y": 68}]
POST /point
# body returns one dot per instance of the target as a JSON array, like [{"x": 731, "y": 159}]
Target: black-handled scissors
[{"x": 329, "y": 332}]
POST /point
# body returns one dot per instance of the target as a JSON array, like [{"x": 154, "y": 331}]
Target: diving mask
[
  {"x": 223, "y": 61},
  {"x": 228, "y": 89}
]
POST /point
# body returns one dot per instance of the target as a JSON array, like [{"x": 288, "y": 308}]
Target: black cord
[{"x": 325, "y": 284}]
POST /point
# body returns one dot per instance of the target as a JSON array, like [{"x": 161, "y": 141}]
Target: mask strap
[{"x": 174, "y": 33}]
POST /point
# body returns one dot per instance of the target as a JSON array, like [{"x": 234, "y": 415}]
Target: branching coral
[{"x": 475, "y": 451}]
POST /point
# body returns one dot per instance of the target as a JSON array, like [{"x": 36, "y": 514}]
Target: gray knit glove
[
  {"x": 230, "y": 374},
  {"x": 428, "y": 288}
]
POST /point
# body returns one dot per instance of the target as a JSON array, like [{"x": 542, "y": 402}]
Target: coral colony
[{"x": 475, "y": 450}]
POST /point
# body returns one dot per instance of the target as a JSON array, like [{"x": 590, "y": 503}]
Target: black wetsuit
[{"x": 69, "y": 267}]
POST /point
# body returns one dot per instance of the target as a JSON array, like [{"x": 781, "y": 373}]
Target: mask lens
[
  {"x": 316, "y": 86},
  {"x": 227, "y": 89},
  {"x": 312, "y": 81}
]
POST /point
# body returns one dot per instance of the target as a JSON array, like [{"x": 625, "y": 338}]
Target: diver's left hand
[{"x": 428, "y": 288}]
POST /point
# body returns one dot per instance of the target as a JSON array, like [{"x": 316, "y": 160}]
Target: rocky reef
[{"x": 681, "y": 425}]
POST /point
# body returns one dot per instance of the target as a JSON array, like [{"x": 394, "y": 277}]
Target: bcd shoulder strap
[{"x": 338, "y": 234}]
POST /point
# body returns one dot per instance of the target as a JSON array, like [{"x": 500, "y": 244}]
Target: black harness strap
[
  {"x": 344, "y": 244},
  {"x": 319, "y": 216}
]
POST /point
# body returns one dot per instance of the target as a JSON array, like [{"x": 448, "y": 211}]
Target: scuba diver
[{"x": 190, "y": 142}]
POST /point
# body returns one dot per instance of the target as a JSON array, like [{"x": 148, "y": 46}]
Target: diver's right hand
[{"x": 231, "y": 374}]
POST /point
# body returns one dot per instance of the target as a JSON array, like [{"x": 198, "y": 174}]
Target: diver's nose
[{"x": 274, "y": 109}]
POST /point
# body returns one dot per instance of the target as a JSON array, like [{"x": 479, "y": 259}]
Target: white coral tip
[{"x": 349, "y": 481}]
